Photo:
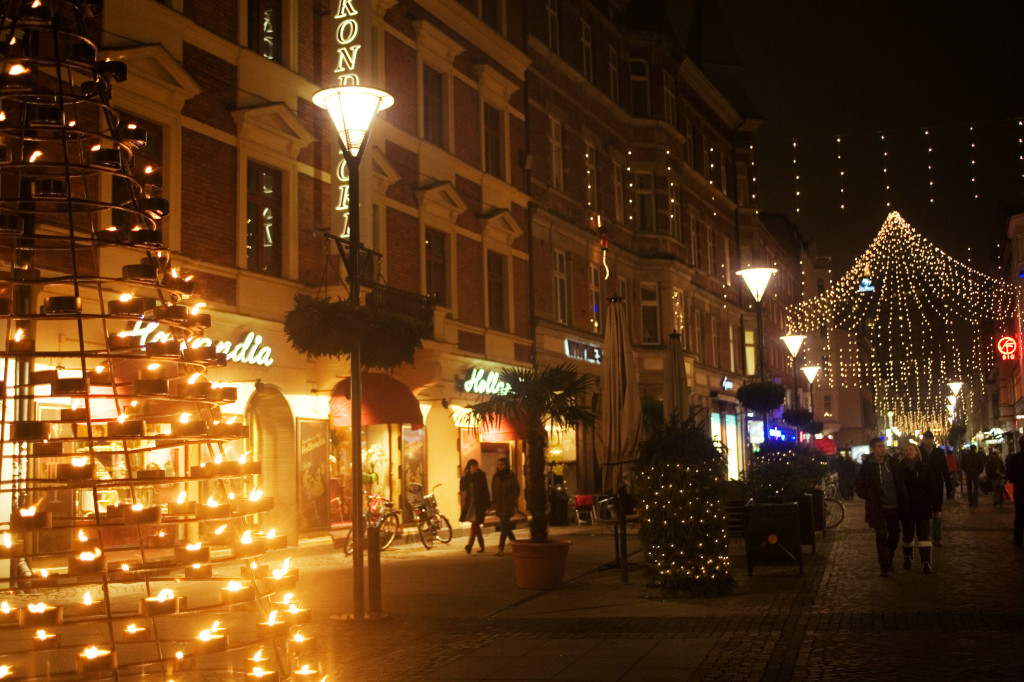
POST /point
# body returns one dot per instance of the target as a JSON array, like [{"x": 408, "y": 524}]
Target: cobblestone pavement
[{"x": 454, "y": 617}]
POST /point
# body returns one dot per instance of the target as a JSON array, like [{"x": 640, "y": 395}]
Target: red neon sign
[{"x": 1007, "y": 346}]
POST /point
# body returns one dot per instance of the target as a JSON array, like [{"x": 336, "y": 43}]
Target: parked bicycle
[
  {"x": 431, "y": 523},
  {"x": 380, "y": 514}
]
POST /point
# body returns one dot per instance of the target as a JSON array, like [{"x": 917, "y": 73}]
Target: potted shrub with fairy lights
[
  {"x": 683, "y": 526},
  {"x": 536, "y": 397},
  {"x": 788, "y": 472}
]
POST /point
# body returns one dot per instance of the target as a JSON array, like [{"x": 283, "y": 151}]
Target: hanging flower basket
[
  {"x": 322, "y": 327},
  {"x": 762, "y": 397},
  {"x": 798, "y": 417}
]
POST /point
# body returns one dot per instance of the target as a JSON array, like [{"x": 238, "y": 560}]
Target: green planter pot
[
  {"x": 540, "y": 565},
  {"x": 772, "y": 535}
]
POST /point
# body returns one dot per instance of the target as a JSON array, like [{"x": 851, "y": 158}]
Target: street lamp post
[
  {"x": 352, "y": 109},
  {"x": 793, "y": 343},
  {"x": 811, "y": 372},
  {"x": 757, "y": 280}
]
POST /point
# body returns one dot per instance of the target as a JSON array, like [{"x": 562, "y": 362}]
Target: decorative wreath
[{"x": 322, "y": 327}]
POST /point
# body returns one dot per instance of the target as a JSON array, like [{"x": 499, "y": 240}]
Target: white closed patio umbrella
[{"x": 676, "y": 399}]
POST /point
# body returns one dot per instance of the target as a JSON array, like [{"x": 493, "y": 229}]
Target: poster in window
[{"x": 314, "y": 474}]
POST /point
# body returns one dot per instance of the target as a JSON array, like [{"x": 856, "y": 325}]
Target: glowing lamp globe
[
  {"x": 793, "y": 343},
  {"x": 352, "y": 109},
  {"x": 811, "y": 372},
  {"x": 757, "y": 280}
]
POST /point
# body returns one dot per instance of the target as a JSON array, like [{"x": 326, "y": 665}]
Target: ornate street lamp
[
  {"x": 793, "y": 343},
  {"x": 811, "y": 372},
  {"x": 352, "y": 109},
  {"x": 757, "y": 280}
]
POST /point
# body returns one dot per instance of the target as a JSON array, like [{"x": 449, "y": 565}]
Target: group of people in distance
[{"x": 907, "y": 494}]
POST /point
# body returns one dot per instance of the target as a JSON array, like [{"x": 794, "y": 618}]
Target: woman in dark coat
[
  {"x": 475, "y": 501},
  {"x": 924, "y": 495}
]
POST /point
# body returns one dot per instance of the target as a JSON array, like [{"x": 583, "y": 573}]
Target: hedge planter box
[
  {"x": 772, "y": 535},
  {"x": 540, "y": 565}
]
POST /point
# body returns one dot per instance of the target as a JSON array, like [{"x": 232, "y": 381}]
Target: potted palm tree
[{"x": 537, "y": 397}]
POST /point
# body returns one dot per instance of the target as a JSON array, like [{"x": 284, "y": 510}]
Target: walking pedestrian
[
  {"x": 505, "y": 494},
  {"x": 952, "y": 473},
  {"x": 475, "y": 501},
  {"x": 995, "y": 470},
  {"x": 924, "y": 496},
  {"x": 847, "y": 476},
  {"x": 1015, "y": 472},
  {"x": 884, "y": 495},
  {"x": 973, "y": 463},
  {"x": 935, "y": 459}
]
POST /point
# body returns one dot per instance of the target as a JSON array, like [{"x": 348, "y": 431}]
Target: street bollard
[{"x": 373, "y": 569}]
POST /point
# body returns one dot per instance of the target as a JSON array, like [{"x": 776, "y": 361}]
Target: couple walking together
[
  {"x": 900, "y": 494},
  {"x": 476, "y": 500}
]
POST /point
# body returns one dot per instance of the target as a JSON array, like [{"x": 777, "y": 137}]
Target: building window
[
  {"x": 727, "y": 274},
  {"x": 263, "y": 219},
  {"x": 640, "y": 87},
  {"x": 497, "y": 291},
  {"x": 623, "y": 289},
  {"x": 716, "y": 345},
  {"x": 675, "y": 217},
  {"x": 590, "y": 161},
  {"x": 489, "y": 12},
  {"x": 265, "y": 28},
  {"x": 749, "y": 353},
  {"x": 678, "y": 312},
  {"x": 552, "y": 11},
  {"x": 645, "y": 202},
  {"x": 436, "y": 266},
  {"x": 650, "y": 319},
  {"x": 613, "y": 74},
  {"x": 705, "y": 157},
  {"x": 557, "y": 161},
  {"x": 618, "y": 192},
  {"x": 732, "y": 348},
  {"x": 494, "y": 142},
  {"x": 724, "y": 173},
  {"x": 827, "y": 405},
  {"x": 595, "y": 297},
  {"x": 433, "y": 106},
  {"x": 586, "y": 44},
  {"x": 561, "y": 287},
  {"x": 699, "y": 337},
  {"x": 669, "y": 87},
  {"x": 693, "y": 241},
  {"x": 689, "y": 143},
  {"x": 711, "y": 250}
]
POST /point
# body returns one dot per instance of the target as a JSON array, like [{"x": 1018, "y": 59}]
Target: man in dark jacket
[
  {"x": 935, "y": 459},
  {"x": 475, "y": 501},
  {"x": 505, "y": 495},
  {"x": 973, "y": 464},
  {"x": 1015, "y": 472},
  {"x": 884, "y": 498}
]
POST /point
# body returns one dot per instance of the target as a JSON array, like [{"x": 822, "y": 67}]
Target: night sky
[{"x": 814, "y": 70}]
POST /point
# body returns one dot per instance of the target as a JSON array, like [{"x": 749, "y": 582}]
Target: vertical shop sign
[
  {"x": 348, "y": 44},
  {"x": 314, "y": 474}
]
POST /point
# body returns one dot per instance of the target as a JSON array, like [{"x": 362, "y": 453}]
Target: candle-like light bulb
[
  {"x": 93, "y": 652},
  {"x": 182, "y": 496},
  {"x": 255, "y": 494},
  {"x": 79, "y": 461},
  {"x": 5, "y": 607},
  {"x": 7, "y": 540},
  {"x": 87, "y": 598},
  {"x": 165, "y": 594},
  {"x": 246, "y": 538},
  {"x": 195, "y": 377},
  {"x": 125, "y": 297}
]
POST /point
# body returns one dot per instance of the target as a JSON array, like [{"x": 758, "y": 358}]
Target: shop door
[{"x": 273, "y": 443}]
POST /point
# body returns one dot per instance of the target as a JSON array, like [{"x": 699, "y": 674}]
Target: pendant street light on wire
[
  {"x": 757, "y": 280},
  {"x": 811, "y": 372},
  {"x": 352, "y": 109}
]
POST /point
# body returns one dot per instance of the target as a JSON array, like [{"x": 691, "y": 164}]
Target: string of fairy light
[{"x": 915, "y": 310}]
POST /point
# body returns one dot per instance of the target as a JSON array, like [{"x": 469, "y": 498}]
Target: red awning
[
  {"x": 502, "y": 430},
  {"x": 384, "y": 401},
  {"x": 826, "y": 445}
]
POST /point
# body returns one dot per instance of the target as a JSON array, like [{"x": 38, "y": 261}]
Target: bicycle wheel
[
  {"x": 443, "y": 529},
  {"x": 389, "y": 524},
  {"x": 346, "y": 545},
  {"x": 834, "y": 512},
  {"x": 426, "y": 528}
]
